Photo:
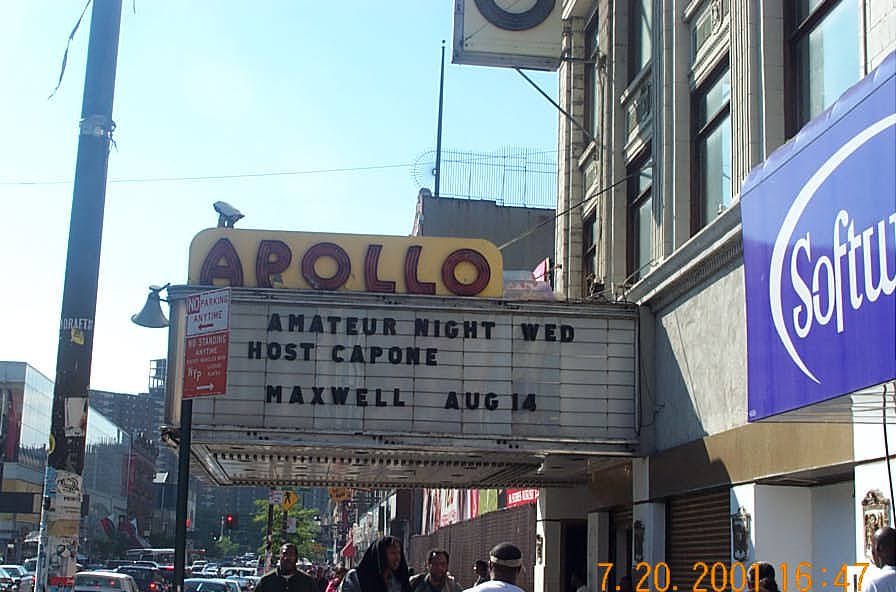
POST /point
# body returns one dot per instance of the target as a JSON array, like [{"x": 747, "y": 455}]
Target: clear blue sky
[{"x": 222, "y": 88}]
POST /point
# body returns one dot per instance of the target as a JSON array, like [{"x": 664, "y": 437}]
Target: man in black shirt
[{"x": 286, "y": 577}]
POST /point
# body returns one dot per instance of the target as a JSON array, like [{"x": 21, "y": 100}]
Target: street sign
[
  {"x": 275, "y": 496},
  {"x": 290, "y": 498},
  {"x": 207, "y": 343},
  {"x": 339, "y": 494}
]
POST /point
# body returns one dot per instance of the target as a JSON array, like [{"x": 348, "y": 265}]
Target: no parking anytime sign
[{"x": 207, "y": 343}]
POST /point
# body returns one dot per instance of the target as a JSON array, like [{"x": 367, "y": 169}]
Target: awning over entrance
[
  {"x": 294, "y": 463},
  {"x": 370, "y": 390},
  {"x": 819, "y": 234}
]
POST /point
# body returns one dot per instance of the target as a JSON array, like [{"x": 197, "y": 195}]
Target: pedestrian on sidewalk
[
  {"x": 480, "y": 568},
  {"x": 883, "y": 553},
  {"x": 436, "y": 578},
  {"x": 338, "y": 574},
  {"x": 504, "y": 563},
  {"x": 382, "y": 569},
  {"x": 766, "y": 578},
  {"x": 286, "y": 577}
]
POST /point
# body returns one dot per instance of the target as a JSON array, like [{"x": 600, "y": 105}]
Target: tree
[
  {"x": 226, "y": 547},
  {"x": 306, "y": 528}
]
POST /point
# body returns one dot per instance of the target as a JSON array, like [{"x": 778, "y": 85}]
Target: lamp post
[
  {"x": 151, "y": 316},
  {"x": 183, "y": 491}
]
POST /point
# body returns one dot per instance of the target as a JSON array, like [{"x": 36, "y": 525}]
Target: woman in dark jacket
[{"x": 382, "y": 569}]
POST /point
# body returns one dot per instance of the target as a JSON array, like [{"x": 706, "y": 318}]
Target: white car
[
  {"x": 25, "y": 580},
  {"x": 104, "y": 581}
]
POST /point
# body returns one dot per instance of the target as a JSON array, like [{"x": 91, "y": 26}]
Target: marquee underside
[{"x": 391, "y": 462}]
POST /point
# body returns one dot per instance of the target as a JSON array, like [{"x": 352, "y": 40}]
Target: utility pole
[
  {"x": 61, "y": 511},
  {"x": 438, "y": 170}
]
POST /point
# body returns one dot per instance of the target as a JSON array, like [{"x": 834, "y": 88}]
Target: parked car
[
  {"x": 246, "y": 583},
  {"x": 104, "y": 581},
  {"x": 8, "y": 582},
  {"x": 149, "y": 579},
  {"x": 198, "y": 566},
  {"x": 24, "y": 580},
  {"x": 210, "y": 570},
  {"x": 147, "y": 563},
  {"x": 237, "y": 571},
  {"x": 30, "y": 565},
  {"x": 210, "y": 585}
]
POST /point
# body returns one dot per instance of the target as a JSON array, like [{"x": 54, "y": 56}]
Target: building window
[
  {"x": 589, "y": 250},
  {"x": 592, "y": 73},
  {"x": 640, "y": 218},
  {"x": 640, "y": 32},
  {"x": 712, "y": 148},
  {"x": 824, "y": 55}
]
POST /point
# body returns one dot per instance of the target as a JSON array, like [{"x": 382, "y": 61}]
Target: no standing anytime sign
[{"x": 206, "y": 344}]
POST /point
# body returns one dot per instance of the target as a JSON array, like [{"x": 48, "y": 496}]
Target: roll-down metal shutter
[
  {"x": 620, "y": 549},
  {"x": 470, "y": 540},
  {"x": 698, "y": 529}
]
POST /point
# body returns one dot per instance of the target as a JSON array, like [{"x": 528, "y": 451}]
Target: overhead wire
[
  {"x": 223, "y": 177},
  {"x": 591, "y": 196}
]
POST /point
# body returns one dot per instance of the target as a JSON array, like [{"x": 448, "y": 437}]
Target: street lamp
[{"x": 152, "y": 316}]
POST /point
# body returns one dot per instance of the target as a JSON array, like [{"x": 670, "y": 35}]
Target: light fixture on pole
[{"x": 151, "y": 314}]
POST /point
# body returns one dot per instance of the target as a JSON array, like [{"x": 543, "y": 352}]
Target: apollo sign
[
  {"x": 340, "y": 262},
  {"x": 819, "y": 232}
]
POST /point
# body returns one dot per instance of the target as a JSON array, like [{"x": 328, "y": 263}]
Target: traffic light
[{"x": 230, "y": 521}]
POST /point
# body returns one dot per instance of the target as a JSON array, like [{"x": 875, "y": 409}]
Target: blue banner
[{"x": 819, "y": 235}]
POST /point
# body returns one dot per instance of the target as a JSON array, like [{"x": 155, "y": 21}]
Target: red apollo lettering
[
  {"x": 222, "y": 262},
  {"x": 337, "y": 254},
  {"x": 372, "y": 283},
  {"x": 474, "y": 258},
  {"x": 273, "y": 258}
]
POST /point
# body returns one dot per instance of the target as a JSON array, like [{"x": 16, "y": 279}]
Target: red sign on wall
[
  {"x": 207, "y": 343},
  {"x": 519, "y": 497}
]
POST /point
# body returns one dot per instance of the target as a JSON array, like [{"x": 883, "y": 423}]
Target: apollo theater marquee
[{"x": 397, "y": 362}]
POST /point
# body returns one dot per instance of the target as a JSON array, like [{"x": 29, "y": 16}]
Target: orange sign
[
  {"x": 346, "y": 262},
  {"x": 339, "y": 494}
]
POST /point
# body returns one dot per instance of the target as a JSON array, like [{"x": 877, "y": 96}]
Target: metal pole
[
  {"x": 61, "y": 512},
  {"x": 269, "y": 542},
  {"x": 183, "y": 490},
  {"x": 439, "y": 128}
]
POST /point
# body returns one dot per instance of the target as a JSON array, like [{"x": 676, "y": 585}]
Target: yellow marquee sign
[{"x": 346, "y": 262}]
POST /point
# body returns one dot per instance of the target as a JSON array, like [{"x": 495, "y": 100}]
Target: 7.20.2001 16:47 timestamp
[{"x": 737, "y": 576}]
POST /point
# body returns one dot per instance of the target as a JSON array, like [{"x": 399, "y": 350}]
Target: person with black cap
[
  {"x": 504, "y": 563},
  {"x": 382, "y": 569}
]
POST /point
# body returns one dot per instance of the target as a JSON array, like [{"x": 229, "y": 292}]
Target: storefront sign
[
  {"x": 353, "y": 364},
  {"x": 347, "y": 263},
  {"x": 508, "y": 34},
  {"x": 819, "y": 233},
  {"x": 521, "y": 497}
]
